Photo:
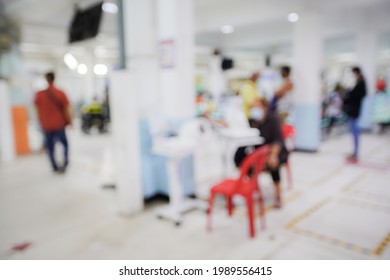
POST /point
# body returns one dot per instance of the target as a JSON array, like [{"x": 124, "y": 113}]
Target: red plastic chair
[
  {"x": 288, "y": 132},
  {"x": 246, "y": 186}
]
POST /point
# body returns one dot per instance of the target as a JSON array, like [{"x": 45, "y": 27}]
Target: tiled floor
[{"x": 334, "y": 211}]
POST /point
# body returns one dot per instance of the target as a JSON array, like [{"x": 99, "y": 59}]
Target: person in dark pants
[
  {"x": 352, "y": 105},
  {"x": 270, "y": 129},
  {"x": 54, "y": 115}
]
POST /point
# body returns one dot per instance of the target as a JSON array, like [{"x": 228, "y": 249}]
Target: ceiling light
[
  {"x": 293, "y": 17},
  {"x": 70, "y": 61},
  {"x": 82, "y": 69},
  {"x": 110, "y": 8},
  {"x": 227, "y": 29},
  {"x": 100, "y": 69}
]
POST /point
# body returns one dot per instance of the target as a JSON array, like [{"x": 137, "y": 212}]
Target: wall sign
[{"x": 166, "y": 53}]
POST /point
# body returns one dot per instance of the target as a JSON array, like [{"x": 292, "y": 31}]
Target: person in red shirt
[{"x": 54, "y": 115}]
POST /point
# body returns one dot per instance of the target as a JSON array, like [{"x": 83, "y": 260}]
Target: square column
[
  {"x": 141, "y": 52},
  {"x": 7, "y": 145},
  {"x": 126, "y": 142},
  {"x": 218, "y": 83},
  {"x": 307, "y": 66},
  {"x": 366, "y": 50},
  {"x": 175, "y": 21},
  {"x": 134, "y": 93}
]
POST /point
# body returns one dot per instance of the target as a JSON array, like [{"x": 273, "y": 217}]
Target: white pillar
[
  {"x": 307, "y": 65},
  {"x": 141, "y": 52},
  {"x": 175, "y": 21},
  {"x": 7, "y": 146},
  {"x": 90, "y": 79},
  {"x": 217, "y": 77},
  {"x": 366, "y": 50},
  {"x": 133, "y": 95},
  {"x": 125, "y": 131}
]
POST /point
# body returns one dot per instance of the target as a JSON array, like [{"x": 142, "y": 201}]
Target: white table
[
  {"x": 233, "y": 139},
  {"x": 175, "y": 149}
]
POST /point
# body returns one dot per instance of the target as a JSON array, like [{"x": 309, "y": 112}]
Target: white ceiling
[
  {"x": 210, "y": 14},
  {"x": 53, "y": 13},
  {"x": 263, "y": 23},
  {"x": 260, "y": 25}
]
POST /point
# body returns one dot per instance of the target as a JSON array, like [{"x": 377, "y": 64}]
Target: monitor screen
[
  {"x": 85, "y": 23},
  {"x": 227, "y": 63}
]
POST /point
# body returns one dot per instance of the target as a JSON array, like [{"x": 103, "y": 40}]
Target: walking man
[{"x": 54, "y": 115}]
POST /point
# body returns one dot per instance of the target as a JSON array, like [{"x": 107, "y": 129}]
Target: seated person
[
  {"x": 334, "y": 104},
  {"x": 92, "y": 114},
  {"x": 270, "y": 129}
]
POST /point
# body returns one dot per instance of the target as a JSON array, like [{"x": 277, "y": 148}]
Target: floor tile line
[
  {"x": 269, "y": 208},
  {"x": 328, "y": 176},
  {"x": 307, "y": 213},
  {"x": 374, "y": 197},
  {"x": 351, "y": 184},
  {"x": 382, "y": 246},
  {"x": 365, "y": 204},
  {"x": 280, "y": 247},
  {"x": 332, "y": 241}
]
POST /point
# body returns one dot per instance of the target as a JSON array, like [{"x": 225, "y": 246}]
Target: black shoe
[{"x": 60, "y": 170}]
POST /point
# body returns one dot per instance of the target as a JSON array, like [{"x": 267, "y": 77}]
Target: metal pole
[{"x": 121, "y": 33}]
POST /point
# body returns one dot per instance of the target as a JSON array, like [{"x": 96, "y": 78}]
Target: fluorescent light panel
[
  {"x": 109, "y": 7},
  {"x": 100, "y": 69},
  {"x": 227, "y": 29},
  {"x": 293, "y": 17},
  {"x": 70, "y": 61},
  {"x": 82, "y": 69}
]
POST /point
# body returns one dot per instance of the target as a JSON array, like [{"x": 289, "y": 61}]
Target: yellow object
[
  {"x": 249, "y": 94},
  {"x": 211, "y": 106},
  {"x": 93, "y": 108}
]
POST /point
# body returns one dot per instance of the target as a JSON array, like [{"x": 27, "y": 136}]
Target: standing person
[
  {"x": 352, "y": 105},
  {"x": 282, "y": 101},
  {"x": 54, "y": 115},
  {"x": 249, "y": 93}
]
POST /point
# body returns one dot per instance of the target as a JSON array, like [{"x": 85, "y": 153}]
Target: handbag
[{"x": 60, "y": 107}]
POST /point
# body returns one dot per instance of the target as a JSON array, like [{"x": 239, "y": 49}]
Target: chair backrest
[
  {"x": 253, "y": 164},
  {"x": 288, "y": 134},
  {"x": 288, "y": 131}
]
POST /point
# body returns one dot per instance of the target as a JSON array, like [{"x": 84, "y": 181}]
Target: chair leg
[
  {"x": 229, "y": 205},
  {"x": 289, "y": 176},
  {"x": 250, "y": 216},
  {"x": 209, "y": 211},
  {"x": 262, "y": 211}
]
